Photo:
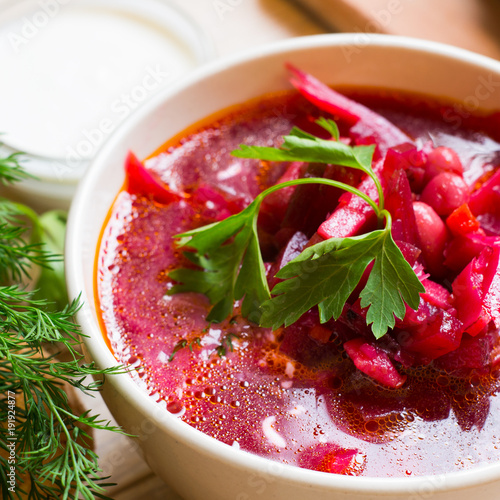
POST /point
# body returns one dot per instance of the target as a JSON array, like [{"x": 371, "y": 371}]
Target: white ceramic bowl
[{"x": 195, "y": 465}]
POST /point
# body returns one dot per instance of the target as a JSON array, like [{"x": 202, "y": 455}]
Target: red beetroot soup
[{"x": 305, "y": 395}]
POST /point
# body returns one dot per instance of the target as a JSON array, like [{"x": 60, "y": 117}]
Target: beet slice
[
  {"x": 486, "y": 199},
  {"x": 292, "y": 249},
  {"x": 367, "y": 123},
  {"x": 211, "y": 204},
  {"x": 472, "y": 354},
  {"x": 441, "y": 335},
  {"x": 472, "y": 288},
  {"x": 471, "y": 414},
  {"x": 275, "y": 205},
  {"x": 436, "y": 294},
  {"x": 352, "y": 214},
  {"x": 398, "y": 201},
  {"x": 485, "y": 204},
  {"x": 331, "y": 458},
  {"x": 463, "y": 248},
  {"x": 412, "y": 160},
  {"x": 304, "y": 212},
  {"x": 141, "y": 181},
  {"x": 298, "y": 344},
  {"x": 374, "y": 362},
  {"x": 491, "y": 302}
]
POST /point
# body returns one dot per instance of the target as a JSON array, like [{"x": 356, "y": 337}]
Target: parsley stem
[
  {"x": 329, "y": 182},
  {"x": 380, "y": 192},
  {"x": 388, "y": 218}
]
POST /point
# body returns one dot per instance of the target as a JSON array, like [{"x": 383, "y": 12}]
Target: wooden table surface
[{"x": 235, "y": 25}]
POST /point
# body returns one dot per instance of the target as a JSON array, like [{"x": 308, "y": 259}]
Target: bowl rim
[{"x": 126, "y": 386}]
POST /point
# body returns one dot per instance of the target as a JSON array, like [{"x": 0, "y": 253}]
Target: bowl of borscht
[{"x": 295, "y": 253}]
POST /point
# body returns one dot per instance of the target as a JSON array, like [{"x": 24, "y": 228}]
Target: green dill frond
[{"x": 53, "y": 454}]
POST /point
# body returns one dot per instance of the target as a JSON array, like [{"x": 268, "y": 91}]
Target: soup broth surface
[{"x": 282, "y": 394}]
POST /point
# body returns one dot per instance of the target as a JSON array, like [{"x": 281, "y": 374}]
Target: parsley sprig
[
  {"x": 229, "y": 264},
  {"x": 327, "y": 273}
]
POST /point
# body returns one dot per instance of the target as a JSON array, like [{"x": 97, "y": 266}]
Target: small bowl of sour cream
[{"x": 73, "y": 71}]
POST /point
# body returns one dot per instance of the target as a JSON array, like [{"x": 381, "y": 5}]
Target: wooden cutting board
[{"x": 470, "y": 24}]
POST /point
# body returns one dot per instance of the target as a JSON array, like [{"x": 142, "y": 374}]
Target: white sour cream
[{"x": 73, "y": 70}]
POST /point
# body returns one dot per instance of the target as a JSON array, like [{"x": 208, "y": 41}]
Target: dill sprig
[
  {"x": 11, "y": 170},
  {"x": 184, "y": 343},
  {"x": 226, "y": 344},
  {"x": 43, "y": 442}
]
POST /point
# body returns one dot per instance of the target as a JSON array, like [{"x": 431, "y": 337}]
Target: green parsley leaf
[
  {"x": 300, "y": 146},
  {"x": 231, "y": 264},
  {"x": 330, "y": 126},
  {"x": 391, "y": 283},
  {"x": 327, "y": 273},
  {"x": 303, "y": 146},
  {"x": 228, "y": 258}
]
